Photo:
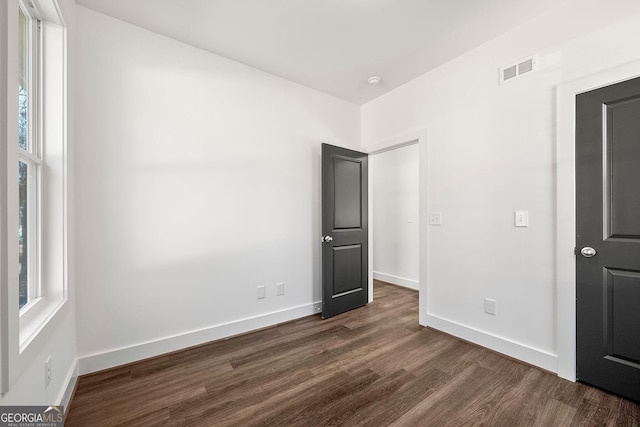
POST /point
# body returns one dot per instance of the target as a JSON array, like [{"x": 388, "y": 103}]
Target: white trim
[
  {"x": 121, "y": 356},
  {"x": 566, "y": 213},
  {"x": 4, "y": 138},
  {"x": 415, "y": 137},
  {"x": 502, "y": 345},
  {"x": 67, "y": 393},
  {"x": 396, "y": 280},
  {"x": 398, "y": 143},
  {"x": 10, "y": 312}
]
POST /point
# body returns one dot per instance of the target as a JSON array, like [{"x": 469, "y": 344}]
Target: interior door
[
  {"x": 344, "y": 230},
  {"x": 608, "y": 238}
]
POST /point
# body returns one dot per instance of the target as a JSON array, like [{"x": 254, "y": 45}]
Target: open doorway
[
  {"x": 394, "y": 181},
  {"x": 418, "y": 140}
]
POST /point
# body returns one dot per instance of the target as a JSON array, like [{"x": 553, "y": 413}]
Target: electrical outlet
[
  {"x": 47, "y": 372},
  {"x": 317, "y": 308},
  {"x": 435, "y": 218},
  {"x": 262, "y": 292},
  {"x": 280, "y": 288},
  {"x": 490, "y": 306}
]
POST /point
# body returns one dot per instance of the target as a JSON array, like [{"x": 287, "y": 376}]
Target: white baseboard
[
  {"x": 122, "y": 356},
  {"x": 510, "y": 348},
  {"x": 395, "y": 280},
  {"x": 72, "y": 378}
]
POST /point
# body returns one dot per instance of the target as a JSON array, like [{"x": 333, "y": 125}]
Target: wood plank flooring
[{"x": 374, "y": 366}]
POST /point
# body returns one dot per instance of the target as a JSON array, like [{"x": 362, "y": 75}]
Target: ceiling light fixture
[{"x": 374, "y": 80}]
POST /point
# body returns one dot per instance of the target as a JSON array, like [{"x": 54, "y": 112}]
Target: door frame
[
  {"x": 566, "y": 208},
  {"x": 415, "y": 137}
]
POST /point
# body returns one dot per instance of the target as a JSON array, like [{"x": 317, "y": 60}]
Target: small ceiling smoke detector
[{"x": 374, "y": 80}]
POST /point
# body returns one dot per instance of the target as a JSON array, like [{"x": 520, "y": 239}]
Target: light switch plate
[
  {"x": 522, "y": 219},
  {"x": 490, "y": 306}
]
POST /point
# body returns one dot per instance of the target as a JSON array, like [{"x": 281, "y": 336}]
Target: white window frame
[
  {"x": 25, "y": 334},
  {"x": 32, "y": 157},
  {"x": 4, "y": 235}
]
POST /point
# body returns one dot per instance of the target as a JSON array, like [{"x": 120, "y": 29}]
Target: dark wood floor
[{"x": 374, "y": 366}]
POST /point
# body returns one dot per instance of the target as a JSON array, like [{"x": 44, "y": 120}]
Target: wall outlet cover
[
  {"x": 47, "y": 372},
  {"x": 490, "y": 306},
  {"x": 435, "y": 218}
]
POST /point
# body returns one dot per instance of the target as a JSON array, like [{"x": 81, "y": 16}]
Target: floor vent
[{"x": 513, "y": 71}]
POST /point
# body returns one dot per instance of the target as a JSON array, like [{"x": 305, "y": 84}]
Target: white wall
[
  {"x": 198, "y": 179},
  {"x": 491, "y": 151},
  {"x": 58, "y": 338},
  {"x": 194, "y": 179},
  {"x": 59, "y": 343},
  {"x": 395, "y": 216}
]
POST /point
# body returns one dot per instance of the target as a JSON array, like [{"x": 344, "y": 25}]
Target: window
[
  {"x": 33, "y": 147},
  {"x": 29, "y": 160},
  {"x": 39, "y": 205}
]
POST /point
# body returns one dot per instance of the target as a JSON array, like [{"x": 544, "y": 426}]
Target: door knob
[
  {"x": 326, "y": 239},
  {"x": 588, "y": 252}
]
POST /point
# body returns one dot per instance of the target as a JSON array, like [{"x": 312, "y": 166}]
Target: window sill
[{"x": 35, "y": 319}]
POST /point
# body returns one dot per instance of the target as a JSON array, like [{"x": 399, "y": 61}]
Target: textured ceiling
[{"x": 330, "y": 45}]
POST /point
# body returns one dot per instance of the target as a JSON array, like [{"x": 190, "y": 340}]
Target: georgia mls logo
[
  {"x": 56, "y": 411},
  {"x": 53, "y": 408},
  {"x": 31, "y": 416}
]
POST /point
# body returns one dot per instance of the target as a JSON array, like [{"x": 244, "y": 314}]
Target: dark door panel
[
  {"x": 623, "y": 315},
  {"x": 608, "y": 220},
  {"x": 347, "y": 175},
  {"x": 622, "y": 125},
  {"x": 344, "y": 229}
]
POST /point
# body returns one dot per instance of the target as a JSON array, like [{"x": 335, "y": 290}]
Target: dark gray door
[
  {"x": 608, "y": 238},
  {"x": 344, "y": 230}
]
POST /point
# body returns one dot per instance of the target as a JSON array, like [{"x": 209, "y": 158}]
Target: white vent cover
[{"x": 513, "y": 71}]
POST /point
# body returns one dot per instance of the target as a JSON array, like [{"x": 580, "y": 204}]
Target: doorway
[
  {"x": 419, "y": 139},
  {"x": 394, "y": 182}
]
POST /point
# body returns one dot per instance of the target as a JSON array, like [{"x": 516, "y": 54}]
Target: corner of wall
[{"x": 502, "y": 345}]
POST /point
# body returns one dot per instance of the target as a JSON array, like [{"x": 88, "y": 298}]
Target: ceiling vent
[{"x": 513, "y": 71}]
